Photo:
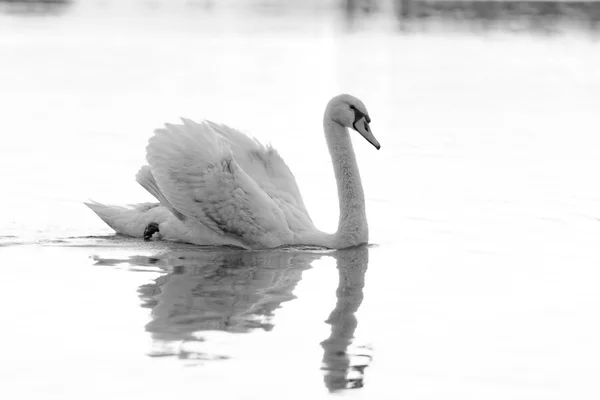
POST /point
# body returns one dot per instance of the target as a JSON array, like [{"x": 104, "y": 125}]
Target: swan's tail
[{"x": 130, "y": 220}]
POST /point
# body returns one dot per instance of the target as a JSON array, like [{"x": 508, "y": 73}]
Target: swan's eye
[{"x": 352, "y": 107}]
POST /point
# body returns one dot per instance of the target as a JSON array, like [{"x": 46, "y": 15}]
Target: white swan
[{"x": 217, "y": 186}]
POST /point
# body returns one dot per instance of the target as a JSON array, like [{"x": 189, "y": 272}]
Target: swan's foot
[{"x": 150, "y": 230}]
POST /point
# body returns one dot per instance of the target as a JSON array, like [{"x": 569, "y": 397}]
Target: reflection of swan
[
  {"x": 345, "y": 368},
  {"x": 232, "y": 291},
  {"x": 218, "y": 186},
  {"x": 238, "y": 291}
]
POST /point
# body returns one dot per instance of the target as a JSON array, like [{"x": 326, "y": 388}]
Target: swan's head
[{"x": 351, "y": 112}]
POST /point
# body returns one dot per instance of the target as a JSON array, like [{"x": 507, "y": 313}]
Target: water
[{"x": 482, "y": 280}]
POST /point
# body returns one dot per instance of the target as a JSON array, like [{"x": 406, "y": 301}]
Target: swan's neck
[{"x": 352, "y": 226}]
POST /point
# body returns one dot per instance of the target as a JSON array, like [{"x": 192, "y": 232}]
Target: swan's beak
[{"x": 362, "y": 126}]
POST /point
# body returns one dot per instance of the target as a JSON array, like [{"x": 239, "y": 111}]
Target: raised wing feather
[
  {"x": 265, "y": 166},
  {"x": 198, "y": 176},
  {"x": 145, "y": 178}
]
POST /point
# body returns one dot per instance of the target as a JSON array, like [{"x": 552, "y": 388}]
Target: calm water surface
[{"x": 482, "y": 278}]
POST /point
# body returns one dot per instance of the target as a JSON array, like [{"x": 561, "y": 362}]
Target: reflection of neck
[
  {"x": 352, "y": 266},
  {"x": 352, "y": 225}
]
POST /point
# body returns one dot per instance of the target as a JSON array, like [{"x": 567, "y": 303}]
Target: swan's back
[
  {"x": 270, "y": 172},
  {"x": 262, "y": 163}
]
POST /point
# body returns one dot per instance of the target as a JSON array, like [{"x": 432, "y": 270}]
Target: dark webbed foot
[{"x": 150, "y": 230}]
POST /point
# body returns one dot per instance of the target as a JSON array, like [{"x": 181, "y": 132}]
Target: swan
[{"x": 217, "y": 186}]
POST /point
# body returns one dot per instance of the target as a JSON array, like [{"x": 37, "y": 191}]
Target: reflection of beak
[{"x": 362, "y": 126}]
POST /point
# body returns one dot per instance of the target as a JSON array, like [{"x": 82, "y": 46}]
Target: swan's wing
[
  {"x": 196, "y": 173},
  {"x": 264, "y": 165}
]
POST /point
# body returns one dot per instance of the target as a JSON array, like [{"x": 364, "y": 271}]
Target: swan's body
[{"x": 217, "y": 186}]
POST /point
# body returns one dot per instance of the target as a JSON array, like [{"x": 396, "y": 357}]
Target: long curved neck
[{"x": 352, "y": 226}]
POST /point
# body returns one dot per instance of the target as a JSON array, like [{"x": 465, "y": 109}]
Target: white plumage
[{"x": 218, "y": 186}]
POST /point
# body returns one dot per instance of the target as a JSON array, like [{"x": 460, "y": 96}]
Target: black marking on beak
[
  {"x": 150, "y": 230},
  {"x": 357, "y": 116}
]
